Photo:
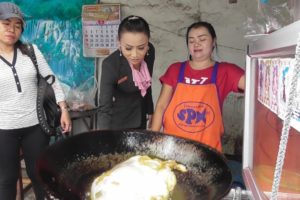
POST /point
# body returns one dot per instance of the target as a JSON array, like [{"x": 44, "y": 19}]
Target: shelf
[{"x": 281, "y": 42}]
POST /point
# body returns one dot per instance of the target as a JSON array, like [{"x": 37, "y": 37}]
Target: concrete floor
[{"x": 29, "y": 195}]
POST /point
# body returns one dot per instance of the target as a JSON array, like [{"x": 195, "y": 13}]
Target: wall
[{"x": 168, "y": 21}]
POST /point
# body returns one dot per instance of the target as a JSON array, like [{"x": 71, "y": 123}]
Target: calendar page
[{"x": 100, "y": 24}]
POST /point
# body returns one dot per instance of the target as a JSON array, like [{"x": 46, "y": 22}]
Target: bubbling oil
[{"x": 87, "y": 169}]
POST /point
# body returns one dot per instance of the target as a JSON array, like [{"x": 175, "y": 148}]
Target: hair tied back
[{"x": 133, "y": 18}]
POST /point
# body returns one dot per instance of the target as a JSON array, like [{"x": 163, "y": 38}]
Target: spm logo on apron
[
  {"x": 194, "y": 111},
  {"x": 193, "y": 117}
]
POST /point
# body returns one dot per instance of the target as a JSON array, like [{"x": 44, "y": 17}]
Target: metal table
[{"x": 84, "y": 115}]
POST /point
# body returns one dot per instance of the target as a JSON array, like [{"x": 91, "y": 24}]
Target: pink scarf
[{"x": 141, "y": 78}]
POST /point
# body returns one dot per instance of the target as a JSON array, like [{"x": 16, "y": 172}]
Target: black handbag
[{"x": 48, "y": 112}]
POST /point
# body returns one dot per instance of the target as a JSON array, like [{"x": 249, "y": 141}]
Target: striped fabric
[{"x": 18, "y": 108}]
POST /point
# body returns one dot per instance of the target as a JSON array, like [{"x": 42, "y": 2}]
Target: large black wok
[{"x": 67, "y": 168}]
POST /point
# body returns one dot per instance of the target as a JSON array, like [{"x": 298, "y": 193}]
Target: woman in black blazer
[{"x": 125, "y": 87}]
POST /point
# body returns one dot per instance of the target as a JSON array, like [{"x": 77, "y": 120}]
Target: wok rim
[{"x": 53, "y": 193}]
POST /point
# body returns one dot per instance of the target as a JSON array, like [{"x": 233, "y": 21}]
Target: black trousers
[{"x": 32, "y": 141}]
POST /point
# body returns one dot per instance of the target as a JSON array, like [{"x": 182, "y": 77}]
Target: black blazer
[{"x": 121, "y": 104}]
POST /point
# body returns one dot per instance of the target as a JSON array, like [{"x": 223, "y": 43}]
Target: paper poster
[
  {"x": 296, "y": 115},
  {"x": 296, "y": 111},
  {"x": 274, "y": 85},
  {"x": 275, "y": 77},
  {"x": 285, "y": 72},
  {"x": 100, "y": 24},
  {"x": 264, "y": 82}
]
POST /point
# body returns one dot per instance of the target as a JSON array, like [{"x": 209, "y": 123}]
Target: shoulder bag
[{"x": 48, "y": 112}]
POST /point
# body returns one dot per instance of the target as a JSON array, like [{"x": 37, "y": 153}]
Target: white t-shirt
[{"x": 18, "y": 106}]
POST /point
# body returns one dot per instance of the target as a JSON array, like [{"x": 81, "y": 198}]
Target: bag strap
[{"x": 32, "y": 56}]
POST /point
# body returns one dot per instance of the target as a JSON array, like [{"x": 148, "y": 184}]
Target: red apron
[{"x": 194, "y": 112}]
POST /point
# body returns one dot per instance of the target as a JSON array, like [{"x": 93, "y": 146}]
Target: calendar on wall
[{"x": 100, "y": 24}]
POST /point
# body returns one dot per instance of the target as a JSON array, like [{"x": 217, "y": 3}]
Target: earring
[
  {"x": 120, "y": 53},
  {"x": 147, "y": 54}
]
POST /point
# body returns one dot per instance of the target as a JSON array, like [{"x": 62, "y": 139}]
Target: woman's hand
[
  {"x": 65, "y": 121},
  {"x": 161, "y": 105},
  {"x": 149, "y": 119}
]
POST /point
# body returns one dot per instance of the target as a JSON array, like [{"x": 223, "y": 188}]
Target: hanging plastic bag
[
  {"x": 83, "y": 97},
  {"x": 268, "y": 18}
]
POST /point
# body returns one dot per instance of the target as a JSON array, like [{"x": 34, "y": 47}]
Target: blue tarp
[{"x": 55, "y": 27}]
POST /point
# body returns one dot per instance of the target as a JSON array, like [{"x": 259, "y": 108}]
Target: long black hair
[
  {"x": 23, "y": 47},
  {"x": 134, "y": 23}
]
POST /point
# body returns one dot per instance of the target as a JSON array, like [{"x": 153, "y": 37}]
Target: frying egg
[{"x": 138, "y": 178}]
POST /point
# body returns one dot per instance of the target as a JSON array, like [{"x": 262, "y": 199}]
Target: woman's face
[
  {"x": 10, "y": 31},
  {"x": 134, "y": 47},
  {"x": 200, "y": 44}
]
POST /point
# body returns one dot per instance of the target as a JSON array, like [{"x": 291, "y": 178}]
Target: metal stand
[{"x": 84, "y": 115}]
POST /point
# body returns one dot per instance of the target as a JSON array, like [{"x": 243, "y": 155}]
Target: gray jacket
[{"x": 121, "y": 104}]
